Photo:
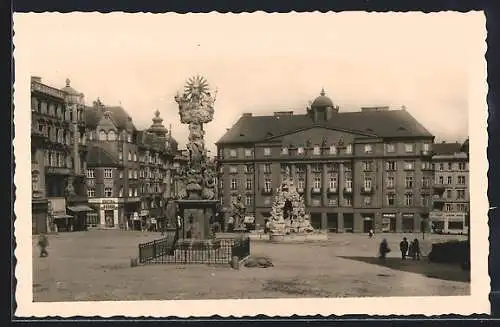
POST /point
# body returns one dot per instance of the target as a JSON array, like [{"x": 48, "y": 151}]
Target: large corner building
[{"x": 363, "y": 170}]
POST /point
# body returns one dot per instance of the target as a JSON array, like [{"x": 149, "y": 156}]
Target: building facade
[
  {"x": 128, "y": 169},
  {"x": 58, "y": 152},
  {"x": 451, "y": 188},
  {"x": 357, "y": 171}
]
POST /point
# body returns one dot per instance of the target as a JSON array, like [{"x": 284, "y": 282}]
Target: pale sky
[{"x": 259, "y": 62}]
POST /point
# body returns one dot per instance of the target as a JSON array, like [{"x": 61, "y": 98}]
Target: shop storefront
[
  {"x": 107, "y": 211},
  {"x": 408, "y": 222},
  {"x": 59, "y": 221},
  {"x": 448, "y": 222},
  {"x": 389, "y": 223}
]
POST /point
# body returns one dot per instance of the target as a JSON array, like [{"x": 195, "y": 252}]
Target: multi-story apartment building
[
  {"x": 356, "y": 170},
  {"x": 157, "y": 150},
  {"x": 451, "y": 188},
  {"x": 58, "y": 152},
  {"x": 128, "y": 175}
]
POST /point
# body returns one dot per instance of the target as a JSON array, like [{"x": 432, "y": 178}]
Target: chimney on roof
[
  {"x": 37, "y": 79},
  {"x": 283, "y": 113},
  {"x": 247, "y": 114}
]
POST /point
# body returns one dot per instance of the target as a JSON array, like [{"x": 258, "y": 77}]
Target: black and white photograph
[{"x": 244, "y": 164}]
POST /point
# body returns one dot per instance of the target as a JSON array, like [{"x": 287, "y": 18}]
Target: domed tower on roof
[
  {"x": 157, "y": 127},
  {"x": 72, "y": 96},
  {"x": 322, "y": 108}
]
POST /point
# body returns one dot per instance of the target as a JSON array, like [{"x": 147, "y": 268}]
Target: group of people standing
[{"x": 408, "y": 250}]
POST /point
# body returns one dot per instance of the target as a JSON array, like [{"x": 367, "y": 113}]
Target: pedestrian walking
[
  {"x": 370, "y": 233},
  {"x": 383, "y": 249},
  {"x": 403, "y": 247},
  {"x": 415, "y": 250},
  {"x": 43, "y": 243}
]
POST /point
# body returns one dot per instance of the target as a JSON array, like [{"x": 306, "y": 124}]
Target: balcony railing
[
  {"x": 267, "y": 191},
  {"x": 366, "y": 190},
  {"x": 348, "y": 190},
  {"x": 316, "y": 190},
  {"x": 332, "y": 190},
  {"x": 58, "y": 171}
]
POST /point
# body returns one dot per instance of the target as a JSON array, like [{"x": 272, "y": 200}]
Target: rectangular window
[
  {"x": 409, "y": 181},
  {"x": 391, "y": 199},
  {"x": 367, "y": 183},
  {"x": 461, "y": 166},
  {"x": 408, "y": 199},
  {"x": 108, "y": 173},
  {"x": 441, "y": 180},
  {"x": 267, "y": 185},
  {"x": 248, "y": 152},
  {"x": 249, "y": 184},
  {"x": 426, "y": 181},
  {"x": 267, "y": 168},
  {"x": 408, "y": 147},
  {"x": 300, "y": 150},
  {"x": 348, "y": 149},
  {"x": 234, "y": 184},
  {"x": 90, "y": 173},
  {"x": 460, "y": 194},
  {"x": 409, "y": 165},
  {"x": 332, "y": 183},
  {"x": 301, "y": 184},
  {"x": 232, "y": 153},
  {"x": 90, "y": 192},
  {"x": 391, "y": 165},
  {"x": 367, "y": 165},
  {"x": 426, "y": 165},
  {"x": 448, "y": 207},
  {"x": 317, "y": 182},
  {"x": 301, "y": 169},
  {"x": 348, "y": 184},
  {"x": 333, "y": 149},
  {"x": 450, "y": 166},
  {"x": 425, "y": 200},
  {"x": 368, "y": 148},
  {"x": 267, "y": 151},
  {"x": 317, "y": 150},
  {"x": 332, "y": 202},
  {"x": 316, "y": 167},
  {"x": 441, "y": 166},
  {"x": 348, "y": 201},
  {"x": 233, "y": 169},
  {"x": 367, "y": 200},
  {"x": 448, "y": 194},
  {"x": 449, "y": 180},
  {"x": 108, "y": 192},
  {"x": 461, "y": 180},
  {"x": 248, "y": 201},
  {"x": 390, "y": 182},
  {"x": 390, "y": 148},
  {"x": 426, "y": 147},
  {"x": 284, "y": 151},
  {"x": 248, "y": 168}
]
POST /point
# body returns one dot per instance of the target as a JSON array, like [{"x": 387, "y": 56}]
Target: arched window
[
  {"x": 111, "y": 135},
  {"x": 103, "y": 136}
]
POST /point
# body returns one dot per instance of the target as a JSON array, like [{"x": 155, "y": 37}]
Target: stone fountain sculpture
[{"x": 197, "y": 196}]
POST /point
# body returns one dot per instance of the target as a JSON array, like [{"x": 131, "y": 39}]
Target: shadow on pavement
[{"x": 423, "y": 267}]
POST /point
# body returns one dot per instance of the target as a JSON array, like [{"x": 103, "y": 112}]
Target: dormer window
[
  {"x": 316, "y": 150},
  {"x": 300, "y": 150},
  {"x": 368, "y": 148},
  {"x": 248, "y": 152},
  {"x": 232, "y": 153},
  {"x": 103, "y": 136},
  {"x": 348, "y": 149},
  {"x": 408, "y": 147},
  {"x": 267, "y": 151},
  {"x": 390, "y": 148},
  {"x": 333, "y": 149},
  {"x": 284, "y": 151},
  {"x": 111, "y": 135}
]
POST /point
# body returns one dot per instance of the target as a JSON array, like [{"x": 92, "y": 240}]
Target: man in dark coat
[
  {"x": 43, "y": 242},
  {"x": 403, "y": 247}
]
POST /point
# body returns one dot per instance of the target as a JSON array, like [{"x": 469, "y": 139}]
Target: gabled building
[
  {"x": 451, "y": 187},
  {"x": 357, "y": 171}
]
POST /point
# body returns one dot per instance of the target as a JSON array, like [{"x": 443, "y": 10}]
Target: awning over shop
[
  {"x": 62, "y": 216},
  {"x": 80, "y": 208}
]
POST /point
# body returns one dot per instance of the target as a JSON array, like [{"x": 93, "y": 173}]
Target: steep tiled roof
[
  {"x": 446, "y": 148},
  {"x": 121, "y": 118},
  {"x": 99, "y": 157},
  {"x": 150, "y": 140},
  {"x": 385, "y": 124}
]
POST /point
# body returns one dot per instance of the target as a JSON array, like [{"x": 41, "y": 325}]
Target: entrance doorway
[
  {"x": 367, "y": 224},
  {"x": 109, "y": 218}
]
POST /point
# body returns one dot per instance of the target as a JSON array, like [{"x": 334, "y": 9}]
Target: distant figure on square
[
  {"x": 415, "y": 250},
  {"x": 370, "y": 233},
  {"x": 383, "y": 249},
  {"x": 43, "y": 242},
  {"x": 403, "y": 247},
  {"x": 230, "y": 224}
]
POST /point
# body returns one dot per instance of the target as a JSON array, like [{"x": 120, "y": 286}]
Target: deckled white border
[{"x": 477, "y": 302}]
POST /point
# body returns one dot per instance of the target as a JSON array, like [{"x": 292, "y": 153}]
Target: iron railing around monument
[{"x": 189, "y": 251}]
